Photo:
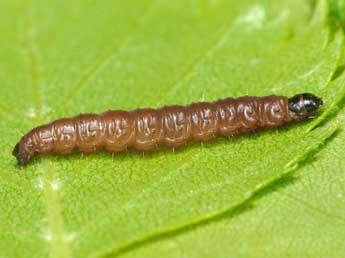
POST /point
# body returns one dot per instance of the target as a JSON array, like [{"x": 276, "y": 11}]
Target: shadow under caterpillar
[{"x": 145, "y": 129}]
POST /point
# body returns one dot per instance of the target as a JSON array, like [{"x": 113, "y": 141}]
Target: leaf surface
[{"x": 63, "y": 58}]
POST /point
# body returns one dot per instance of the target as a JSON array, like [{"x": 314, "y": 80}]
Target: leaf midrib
[{"x": 56, "y": 236}]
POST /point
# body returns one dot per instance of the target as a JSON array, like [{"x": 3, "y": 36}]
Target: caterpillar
[{"x": 145, "y": 129}]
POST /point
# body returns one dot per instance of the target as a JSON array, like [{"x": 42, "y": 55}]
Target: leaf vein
[
  {"x": 31, "y": 51},
  {"x": 58, "y": 239},
  {"x": 59, "y": 247}
]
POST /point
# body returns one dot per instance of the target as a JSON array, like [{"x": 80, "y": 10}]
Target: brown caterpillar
[{"x": 173, "y": 126}]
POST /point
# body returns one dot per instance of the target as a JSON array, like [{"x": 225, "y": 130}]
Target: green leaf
[
  {"x": 233, "y": 197},
  {"x": 297, "y": 216}
]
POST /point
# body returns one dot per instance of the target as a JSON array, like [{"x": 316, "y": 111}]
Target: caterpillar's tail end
[
  {"x": 15, "y": 151},
  {"x": 21, "y": 157}
]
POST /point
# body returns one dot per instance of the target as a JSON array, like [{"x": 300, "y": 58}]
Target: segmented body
[{"x": 145, "y": 129}]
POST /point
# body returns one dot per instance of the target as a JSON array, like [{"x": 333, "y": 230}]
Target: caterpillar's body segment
[{"x": 173, "y": 126}]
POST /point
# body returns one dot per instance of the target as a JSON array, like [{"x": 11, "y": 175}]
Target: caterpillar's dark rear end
[{"x": 21, "y": 154}]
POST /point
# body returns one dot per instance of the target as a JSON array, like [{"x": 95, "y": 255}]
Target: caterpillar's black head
[{"x": 305, "y": 105}]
